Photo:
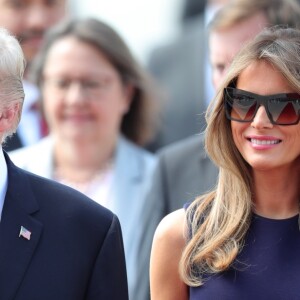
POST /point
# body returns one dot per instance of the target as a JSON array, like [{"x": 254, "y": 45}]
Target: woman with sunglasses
[{"x": 242, "y": 240}]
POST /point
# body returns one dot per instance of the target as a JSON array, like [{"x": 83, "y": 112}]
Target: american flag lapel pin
[{"x": 25, "y": 233}]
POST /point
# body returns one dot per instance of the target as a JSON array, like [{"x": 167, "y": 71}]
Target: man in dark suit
[
  {"x": 183, "y": 71},
  {"x": 184, "y": 172},
  {"x": 55, "y": 243}
]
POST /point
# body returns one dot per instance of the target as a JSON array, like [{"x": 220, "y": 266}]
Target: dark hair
[
  {"x": 139, "y": 122},
  {"x": 192, "y": 9}
]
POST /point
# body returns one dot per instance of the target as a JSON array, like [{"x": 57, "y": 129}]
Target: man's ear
[{"x": 8, "y": 116}]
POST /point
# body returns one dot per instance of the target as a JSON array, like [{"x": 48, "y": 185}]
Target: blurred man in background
[{"x": 182, "y": 69}]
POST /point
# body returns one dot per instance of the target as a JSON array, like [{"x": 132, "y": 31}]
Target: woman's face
[
  {"x": 262, "y": 144},
  {"x": 84, "y": 97}
]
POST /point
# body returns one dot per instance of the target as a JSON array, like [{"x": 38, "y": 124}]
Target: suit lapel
[
  {"x": 127, "y": 178},
  {"x": 16, "y": 251}
]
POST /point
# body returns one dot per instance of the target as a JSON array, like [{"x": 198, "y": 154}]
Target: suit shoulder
[
  {"x": 126, "y": 147},
  {"x": 182, "y": 148},
  {"x": 64, "y": 200}
]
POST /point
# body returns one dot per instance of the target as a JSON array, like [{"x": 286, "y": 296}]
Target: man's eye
[
  {"x": 17, "y": 4},
  {"x": 220, "y": 68},
  {"x": 51, "y": 3},
  {"x": 61, "y": 83}
]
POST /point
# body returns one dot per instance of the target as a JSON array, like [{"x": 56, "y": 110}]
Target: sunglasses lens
[
  {"x": 240, "y": 107},
  {"x": 284, "y": 111}
]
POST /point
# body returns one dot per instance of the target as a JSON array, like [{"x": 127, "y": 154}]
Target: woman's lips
[
  {"x": 77, "y": 118},
  {"x": 263, "y": 142}
]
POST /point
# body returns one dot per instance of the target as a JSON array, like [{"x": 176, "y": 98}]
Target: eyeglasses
[
  {"x": 282, "y": 109},
  {"x": 91, "y": 87}
]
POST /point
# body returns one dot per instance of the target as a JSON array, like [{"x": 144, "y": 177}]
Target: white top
[
  {"x": 3, "y": 180},
  {"x": 29, "y": 127},
  {"x": 99, "y": 188}
]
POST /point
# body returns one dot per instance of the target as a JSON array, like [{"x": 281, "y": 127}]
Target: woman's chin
[{"x": 75, "y": 135}]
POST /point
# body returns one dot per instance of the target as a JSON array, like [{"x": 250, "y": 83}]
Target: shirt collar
[{"x": 3, "y": 180}]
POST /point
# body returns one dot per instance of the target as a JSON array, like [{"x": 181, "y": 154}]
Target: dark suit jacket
[
  {"x": 184, "y": 172},
  {"x": 75, "y": 250}
]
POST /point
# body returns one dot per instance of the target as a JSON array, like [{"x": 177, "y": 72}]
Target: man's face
[
  {"x": 224, "y": 44},
  {"x": 29, "y": 19}
]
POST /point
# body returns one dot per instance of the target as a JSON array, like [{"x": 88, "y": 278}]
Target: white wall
[{"x": 142, "y": 23}]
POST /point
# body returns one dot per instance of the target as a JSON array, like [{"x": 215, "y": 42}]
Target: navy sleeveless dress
[{"x": 268, "y": 267}]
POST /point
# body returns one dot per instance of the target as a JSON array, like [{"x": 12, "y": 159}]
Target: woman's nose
[
  {"x": 261, "y": 119},
  {"x": 75, "y": 93}
]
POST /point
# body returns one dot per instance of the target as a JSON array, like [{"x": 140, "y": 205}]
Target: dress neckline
[{"x": 260, "y": 217}]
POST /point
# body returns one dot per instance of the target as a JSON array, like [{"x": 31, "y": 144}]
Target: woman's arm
[{"x": 167, "y": 247}]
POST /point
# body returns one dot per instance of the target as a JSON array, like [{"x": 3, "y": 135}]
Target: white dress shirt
[{"x": 3, "y": 180}]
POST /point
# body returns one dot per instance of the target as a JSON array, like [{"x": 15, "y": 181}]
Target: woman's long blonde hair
[{"x": 219, "y": 220}]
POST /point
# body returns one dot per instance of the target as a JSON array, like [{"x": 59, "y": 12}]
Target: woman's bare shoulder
[
  {"x": 168, "y": 244},
  {"x": 172, "y": 228}
]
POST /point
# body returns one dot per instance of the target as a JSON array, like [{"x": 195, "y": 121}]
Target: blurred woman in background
[{"x": 98, "y": 104}]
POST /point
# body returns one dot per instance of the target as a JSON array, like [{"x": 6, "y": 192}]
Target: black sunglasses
[{"x": 282, "y": 109}]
